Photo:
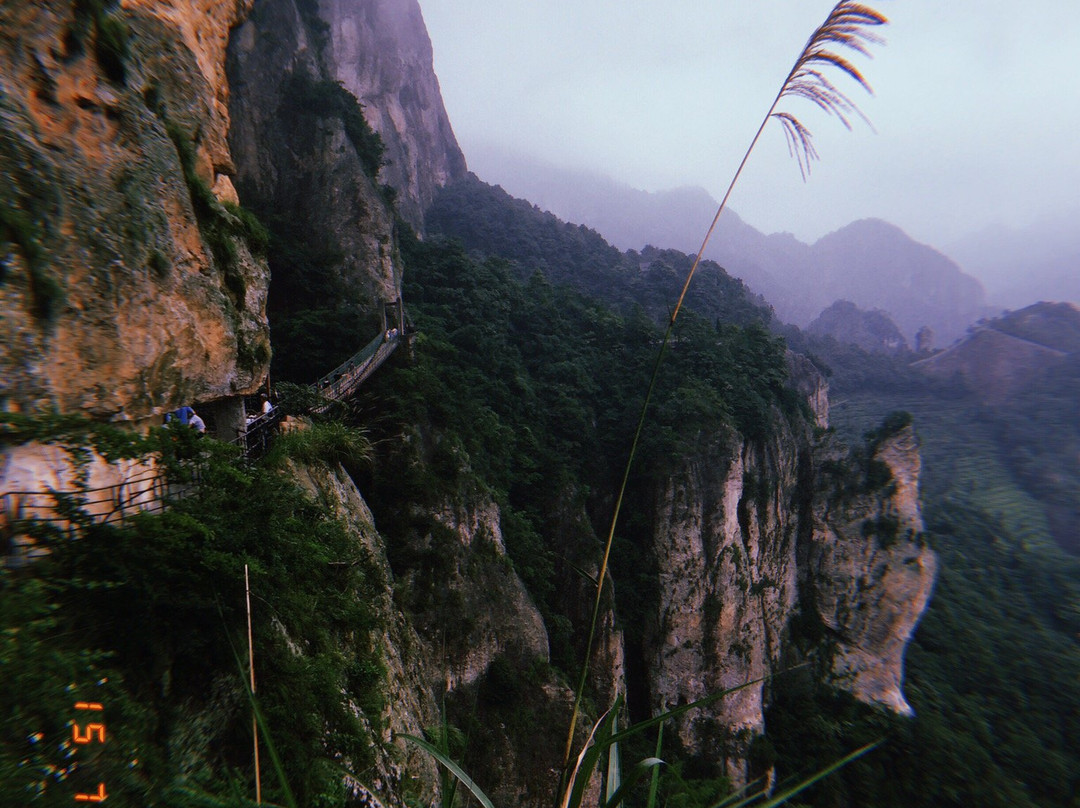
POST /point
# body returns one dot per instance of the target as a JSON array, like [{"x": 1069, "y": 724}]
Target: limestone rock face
[
  {"x": 501, "y": 616},
  {"x": 296, "y": 161},
  {"x": 872, "y": 577},
  {"x": 410, "y": 681},
  {"x": 725, "y": 543},
  {"x": 297, "y": 165},
  {"x": 380, "y": 51},
  {"x": 486, "y": 648},
  {"x": 115, "y": 304},
  {"x": 747, "y": 534}
]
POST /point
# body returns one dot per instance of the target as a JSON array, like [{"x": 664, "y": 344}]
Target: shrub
[
  {"x": 46, "y": 292},
  {"x": 331, "y": 442},
  {"x": 304, "y": 96},
  {"x": 153, "y": 611}
]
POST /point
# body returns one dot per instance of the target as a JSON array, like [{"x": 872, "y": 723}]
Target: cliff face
[
  {"x": 295, "y": 158},
  {"x": 124, "y": 290},
  {"x": 725, "y": 545},
  {"x": 745, "y": 539},
  {"x": 871, "y": 575},
  {"x": 298, "y": 164},
  {"x": 381, "y": 52}
]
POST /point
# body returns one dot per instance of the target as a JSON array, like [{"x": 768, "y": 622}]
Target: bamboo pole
[{"x": 251, "y": 671}]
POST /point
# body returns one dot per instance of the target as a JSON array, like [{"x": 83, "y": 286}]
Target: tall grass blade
[
  {"x": 456, "y": 770},
  {"x": 650, "y": 764},
  {"x": 739, "y": 797},
  {"x": 574, "y": 787},
  {"x": 260, "y": 719},
  {"x": 848, "y": 25},
  {"x": 788, "y": 793},
  {"x": 654, "y": 781},
  {"x": 613, "y": 776}
]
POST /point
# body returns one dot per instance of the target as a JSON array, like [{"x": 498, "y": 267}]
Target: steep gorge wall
[
  {"x": 299, "y": 159},
  {"x": 381, "y": 52},
  {"x": 748, "y": 536},
  {"x": 117, "y": 301},
  {"x": 298, "y": 165}
]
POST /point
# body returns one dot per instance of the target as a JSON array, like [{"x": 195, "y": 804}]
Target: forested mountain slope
[
  {"x": 990, "y": 662},
  {"x": 422, "y": 558},
  {"x": 990, "y": 666}
]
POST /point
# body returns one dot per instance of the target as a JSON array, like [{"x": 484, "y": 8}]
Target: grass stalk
[{"x": 847, "y": 25}]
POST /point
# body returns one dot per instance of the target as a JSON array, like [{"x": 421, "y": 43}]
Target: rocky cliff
[
  {"x": 127, "y": 288},
  {"x": 869, "y": 571},
  {"x": 131, "y": 282},
  {"x": 747, "y": 536},
  {"x": 301, "y": 161},
  {"x": 380, "y": 51},
  {"x": 338, "y": 128}
]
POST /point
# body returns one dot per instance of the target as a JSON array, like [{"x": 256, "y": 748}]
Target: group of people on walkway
[{"x": 186, "y": 416}]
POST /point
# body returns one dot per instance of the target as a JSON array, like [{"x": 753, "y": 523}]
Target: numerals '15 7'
[{"x": 93, "y": 732}]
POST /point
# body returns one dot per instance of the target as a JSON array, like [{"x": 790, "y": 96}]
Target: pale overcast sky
[{"x": 976, "y": 105}]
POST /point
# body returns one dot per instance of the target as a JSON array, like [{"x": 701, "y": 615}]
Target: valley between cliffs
[{"x": 198, "y": 194}]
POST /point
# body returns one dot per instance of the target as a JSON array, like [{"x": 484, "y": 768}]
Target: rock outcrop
[
  {"x": 746, "y": 537},
  {"x": 725, "y": 543},
  {"x": 308, "y": 82},
  {"x": 126, "y": 287},
  {"x": 380, "y": 51},
  {"x": 871, "y": 573},
  {"x": 872, "y": 331}
]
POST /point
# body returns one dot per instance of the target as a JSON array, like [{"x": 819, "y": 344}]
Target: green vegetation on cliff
[
  {"x": 528, "y": 391},
  {"x": 148, "y": 619}
]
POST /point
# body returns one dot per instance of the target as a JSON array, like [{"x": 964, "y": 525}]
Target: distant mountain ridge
[
  {"x": 1009, "y": 355},
  {"x": 873, "y": 331},
  {"x": 870, "y": 262}
]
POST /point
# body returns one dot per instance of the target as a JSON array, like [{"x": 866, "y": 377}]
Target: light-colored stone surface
[
  {"x": 32, "y": 474},
  {"x": 871, "y": 592},
  {"x": 381, "y": 52},
  {"x": 730, "y": 524},
  {"x": 503, "y": 616},
  {"x": 725, "y": 546}
]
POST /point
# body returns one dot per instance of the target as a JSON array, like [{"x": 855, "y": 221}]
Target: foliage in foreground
[{"x": 148, "y": 619}]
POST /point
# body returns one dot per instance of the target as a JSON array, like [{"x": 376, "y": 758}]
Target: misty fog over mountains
[
  {"x": 1022, "y": 265},
  {"x": 870, "y": 262}
]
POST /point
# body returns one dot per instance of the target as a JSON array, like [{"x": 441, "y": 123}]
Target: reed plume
[{"x": 849, "y": 25}]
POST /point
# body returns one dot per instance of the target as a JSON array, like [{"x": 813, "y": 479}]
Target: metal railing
[
  {"x": 151, "y": 491},
  {"x": 343, "y": 380}
]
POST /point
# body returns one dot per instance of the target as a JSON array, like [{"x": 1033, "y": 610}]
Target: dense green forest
[
  {"x": 148, "y": 619},
  {"x": 528, "y": 392},
  {"x": 994, "y": 667}
]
